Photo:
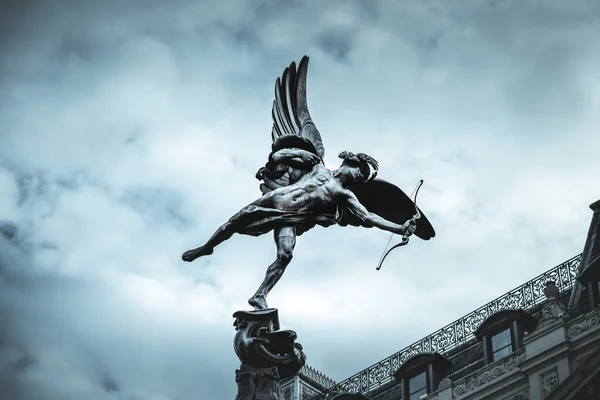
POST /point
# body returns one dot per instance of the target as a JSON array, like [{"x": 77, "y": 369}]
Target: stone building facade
[{"x": 540, "y": 341}]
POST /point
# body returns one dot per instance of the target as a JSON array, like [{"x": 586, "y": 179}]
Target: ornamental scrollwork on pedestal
[
  {"x": 267, "y": 354},
  {"x": 493, "y": 372}
]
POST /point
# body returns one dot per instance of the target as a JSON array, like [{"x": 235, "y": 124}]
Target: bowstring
[{"x": 392, "y": 234}]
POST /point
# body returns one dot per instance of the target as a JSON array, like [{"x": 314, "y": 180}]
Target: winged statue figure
[{"x": 299, "y": 192}]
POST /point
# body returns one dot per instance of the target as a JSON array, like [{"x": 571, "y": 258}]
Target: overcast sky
[{"x": 129, "y": 131}]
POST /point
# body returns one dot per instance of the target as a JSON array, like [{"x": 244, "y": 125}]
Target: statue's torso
[{"x": 314, "y": 191}]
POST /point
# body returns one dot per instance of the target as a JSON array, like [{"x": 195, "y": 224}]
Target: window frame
[
  {"x": 410, "y": 392},
  {"x": 434, "y": 366},
  {"x": 518, "y": 321},
  {"x": 510, "y": 345},
  {"x": 516, "y": 340}
]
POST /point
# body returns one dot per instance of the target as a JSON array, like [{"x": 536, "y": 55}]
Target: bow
[{"x": 405, "y": 238}]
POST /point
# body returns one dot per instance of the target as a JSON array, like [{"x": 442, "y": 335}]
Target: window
[
  {"x": 502, "y": 333},
  {"x": 501, "y": 345},
  {"x": 417, "y": 386},
  {"x": 421, "y": 374}
]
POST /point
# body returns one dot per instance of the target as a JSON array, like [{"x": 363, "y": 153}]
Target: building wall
[
  {"x": 551, "y": 354},
  {"x": 561, "y": 355}
]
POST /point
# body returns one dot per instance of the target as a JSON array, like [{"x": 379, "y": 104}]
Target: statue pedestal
[
  {"x": 267, "y": 354},
  {"x": 258, "y": 383}
]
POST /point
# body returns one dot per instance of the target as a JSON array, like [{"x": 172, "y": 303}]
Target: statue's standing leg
[{"x": 285, "y": 239}]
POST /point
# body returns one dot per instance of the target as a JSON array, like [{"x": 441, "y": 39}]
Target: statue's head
[{"x": 358, "y": 167}]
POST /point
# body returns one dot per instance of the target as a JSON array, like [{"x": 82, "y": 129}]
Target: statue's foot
[
  {"x": 191, "y": 255},
  {"x": 258, "y": 302}
]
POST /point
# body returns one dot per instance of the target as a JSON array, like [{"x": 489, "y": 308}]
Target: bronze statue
[{"x": 300, "y": 193}]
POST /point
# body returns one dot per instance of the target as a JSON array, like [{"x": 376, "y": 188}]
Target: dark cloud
[{"x": 337, "y": 43}]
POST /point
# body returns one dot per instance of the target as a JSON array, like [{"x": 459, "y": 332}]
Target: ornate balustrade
[
  {"x": 458, "y": 332},
  {"x": 317, "y": 376}
]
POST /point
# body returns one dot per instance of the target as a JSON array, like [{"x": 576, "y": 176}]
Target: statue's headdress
[{"x": 367, "y": 164}]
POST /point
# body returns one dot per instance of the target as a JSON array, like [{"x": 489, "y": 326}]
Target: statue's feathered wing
[
  {"x": 292, "y": 127},
  {"x": 290, "y": 109},
  {"x": 388, "y": 201}
]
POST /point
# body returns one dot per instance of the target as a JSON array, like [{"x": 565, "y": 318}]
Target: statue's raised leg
[
  {"x": 242, "y": 218},
  {"x": 225, "y": 231},
  {"x": 285, "y": 239}
]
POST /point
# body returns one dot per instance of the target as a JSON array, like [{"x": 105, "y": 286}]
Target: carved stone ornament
[
  {"x": 588, "y": 323},
  {"x": 266, "y": 353},
  {"x": 446, "y": 382},
  {"x": 553, "y": 308},
  {"x": 549, "y": 381},
  {"x": 489, "y": 374}
]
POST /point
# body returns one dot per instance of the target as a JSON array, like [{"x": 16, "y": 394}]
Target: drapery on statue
[{"x": 300, "y": 193}]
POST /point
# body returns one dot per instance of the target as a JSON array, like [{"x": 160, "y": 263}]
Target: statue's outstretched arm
[{"x": 361, "y": 212}]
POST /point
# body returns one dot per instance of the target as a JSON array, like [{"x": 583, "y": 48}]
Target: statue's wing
[
  {"x": 290, "y": 111},
  {"x": 389, "y": 202},
  {"x": 292, "y": 128}
]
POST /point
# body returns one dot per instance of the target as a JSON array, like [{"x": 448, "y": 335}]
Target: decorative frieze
[
  {"x": 489, "y": 374},
  {"x": 590, "y": 321}
]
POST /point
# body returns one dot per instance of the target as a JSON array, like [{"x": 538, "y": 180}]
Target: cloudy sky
[{"x": 129, "y": 131}]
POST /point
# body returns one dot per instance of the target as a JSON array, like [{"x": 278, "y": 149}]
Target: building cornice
[{"x": 489, "y": 375}]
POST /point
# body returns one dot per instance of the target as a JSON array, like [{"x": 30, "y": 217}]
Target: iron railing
[
  {"x": 317, "y": 376},
  {"x": 458, "y": 332}
]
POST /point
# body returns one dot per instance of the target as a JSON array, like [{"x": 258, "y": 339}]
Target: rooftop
[{"x": 456, "y": 341}]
